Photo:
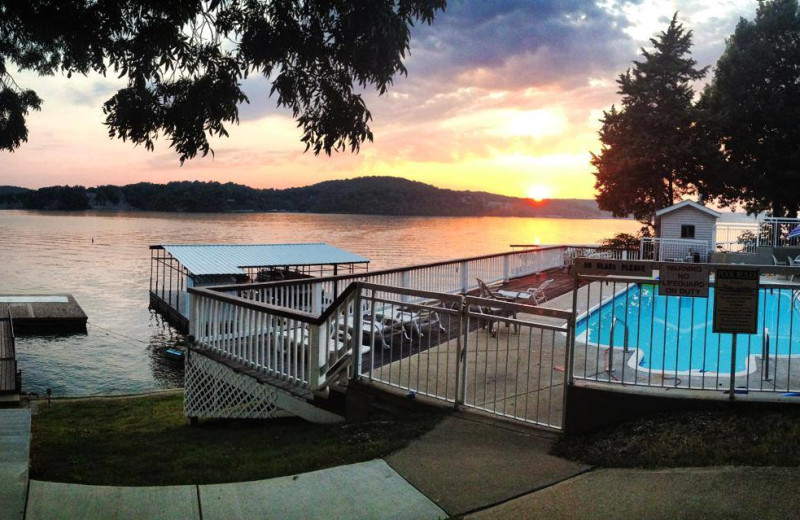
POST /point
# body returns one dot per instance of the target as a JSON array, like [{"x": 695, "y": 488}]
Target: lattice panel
[{"x": 213, "y": 390}]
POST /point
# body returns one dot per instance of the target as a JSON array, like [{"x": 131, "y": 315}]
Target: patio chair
[
  {"x": 538, "y": 294},
  {"x": 486, "y": 292}
]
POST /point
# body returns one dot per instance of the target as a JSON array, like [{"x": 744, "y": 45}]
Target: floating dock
[
  {"x": 43, "y": 313},
  {"x": 31, "y": 314}
]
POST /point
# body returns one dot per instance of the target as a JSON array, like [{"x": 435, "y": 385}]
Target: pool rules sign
[
  {"x": 690, "y": 280},
  {"x": 736, "y": 300}
]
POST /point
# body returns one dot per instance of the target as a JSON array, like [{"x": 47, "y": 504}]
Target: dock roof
[{"x": 206, "y": 259}]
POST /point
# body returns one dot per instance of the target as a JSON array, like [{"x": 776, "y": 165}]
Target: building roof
[
  {"x": 688, "y": 204},
  {"x": 202, "y": 259}
]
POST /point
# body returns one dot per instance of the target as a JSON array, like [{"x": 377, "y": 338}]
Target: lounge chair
[{"x": 538, "y": 294}]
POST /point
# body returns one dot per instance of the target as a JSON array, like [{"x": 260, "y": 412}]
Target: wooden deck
[
  {"x": 8, "y": 358},
  {"x": 563, "y": 283},
  {"x": 43, "y": 313}
]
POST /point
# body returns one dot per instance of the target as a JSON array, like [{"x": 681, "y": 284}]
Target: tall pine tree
[{"x": 649, "y": 154}]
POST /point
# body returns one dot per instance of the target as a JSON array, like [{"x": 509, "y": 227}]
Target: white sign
[
  {"x": 614, "y": 268},
  {"x": 736, "y": 300},
  {"x": 683, "y": 280}
]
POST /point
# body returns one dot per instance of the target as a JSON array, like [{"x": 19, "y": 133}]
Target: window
[{"x": 687, "y": 231}]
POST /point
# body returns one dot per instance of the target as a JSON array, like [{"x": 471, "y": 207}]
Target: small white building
[{"x": 685, "y": 232}]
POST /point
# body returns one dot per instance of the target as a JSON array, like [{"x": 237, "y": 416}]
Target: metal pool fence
[
  {"x": 628, "y": 333},
  {"x": 497, "y": 357}
]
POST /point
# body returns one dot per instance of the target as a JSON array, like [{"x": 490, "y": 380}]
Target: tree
[
  {"x": 751, "y": 112},
  {"x": 648, "y": 158},
  {"x": 184, "y": 60}
]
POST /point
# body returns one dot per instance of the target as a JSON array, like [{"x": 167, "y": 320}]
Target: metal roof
[
  {"x": 202, "y": 259},
  {"x": 690, "y": 204}
]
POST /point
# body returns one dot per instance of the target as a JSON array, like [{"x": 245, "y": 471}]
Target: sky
[{"x": 503, "y": 96}]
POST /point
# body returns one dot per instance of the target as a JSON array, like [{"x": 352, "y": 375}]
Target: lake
[{"x": 103, "y": 260}]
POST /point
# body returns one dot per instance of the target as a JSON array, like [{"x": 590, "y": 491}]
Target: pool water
[{"x": 674, "y": 334}]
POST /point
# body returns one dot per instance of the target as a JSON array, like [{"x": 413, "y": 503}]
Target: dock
[
  {"x": 9, "y": 377},
  {"x": 31, "y": 314},
  {"x": 43, "y": 313}
]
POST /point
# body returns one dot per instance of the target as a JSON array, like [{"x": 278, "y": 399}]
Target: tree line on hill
[{"x": 364, "y": 195}]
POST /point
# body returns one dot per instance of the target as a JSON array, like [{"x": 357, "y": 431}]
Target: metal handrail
[{"x": 765, "y": 354}]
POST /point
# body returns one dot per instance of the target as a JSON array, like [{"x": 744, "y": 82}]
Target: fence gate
[{"x": 500, "y": 358}]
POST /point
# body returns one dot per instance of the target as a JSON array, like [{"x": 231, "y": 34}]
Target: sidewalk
[
  {"x": 467, "y": 465},
  {"x": 15, "y": 439}
]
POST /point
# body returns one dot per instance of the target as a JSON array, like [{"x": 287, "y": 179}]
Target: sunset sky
[{"x": 501, "y": 96}]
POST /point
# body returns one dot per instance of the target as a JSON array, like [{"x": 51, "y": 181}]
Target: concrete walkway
[
  {"x": 468, "y": 462},
  {"x": 368, "y": 490},
  {"x": 696, "y": 493},
  {"x": 467, "y": 465},
  {"x": 15, "y": 442}
]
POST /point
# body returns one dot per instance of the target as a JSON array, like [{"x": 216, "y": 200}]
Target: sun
[{"x": 539, "y": 192}]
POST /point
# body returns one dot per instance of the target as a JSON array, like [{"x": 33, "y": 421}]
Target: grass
[
  {"x": 145, "y": 441},
  {"x": 752, "y": 437}
]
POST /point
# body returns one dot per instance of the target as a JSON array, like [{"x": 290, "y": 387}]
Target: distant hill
[{"x": 363, "y": 195}]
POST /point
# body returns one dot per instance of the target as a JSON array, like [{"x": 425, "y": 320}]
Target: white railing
[
  {"x": 673, "y": 250},
  {"x": 305, "y": 332},
  {"x": 287, "y": 344},
  {"x": 314, "y": 295},
  {"x": 739, "y": 237},
  {"x": 475, "y": 352}
]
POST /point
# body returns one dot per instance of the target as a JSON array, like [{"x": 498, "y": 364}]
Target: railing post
[
  {"x": 316, "y": 346},
  {"x": 358, "y": 317},
  {"x": 506, "y": 268},
  {"x": 406, "y": 281},
  {"x": 464, "y": 277},
  {"x": 193, "y": 317},
  {"x": 316, "y": 299}
]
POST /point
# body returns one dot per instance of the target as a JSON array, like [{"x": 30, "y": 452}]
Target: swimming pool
[{"x": 674, "y": 334}]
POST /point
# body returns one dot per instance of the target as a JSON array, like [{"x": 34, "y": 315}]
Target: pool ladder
[{"x": 610, "y": 357}]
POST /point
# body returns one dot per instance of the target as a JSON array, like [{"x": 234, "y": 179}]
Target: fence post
[
  {"x": 464, "y": 277},
  {"x": 506, "y": 268},
  {"x": 405, "y": 284},
  {"x": 461, "y": 370}
]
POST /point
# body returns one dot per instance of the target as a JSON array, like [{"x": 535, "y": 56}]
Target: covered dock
[{"x": 174, "y": 268}]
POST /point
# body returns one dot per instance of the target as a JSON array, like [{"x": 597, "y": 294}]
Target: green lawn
[
  {"x": 145, "y": 441},
  {"x": 753, "y": 437}
]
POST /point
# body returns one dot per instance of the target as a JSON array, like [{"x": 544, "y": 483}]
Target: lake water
[{"x": 123, "y": 351}]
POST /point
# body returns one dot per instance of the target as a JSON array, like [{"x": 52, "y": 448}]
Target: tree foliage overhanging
[
  {"x": 184, "y": 61},
  {"x": 647, "y": 160},
  {"x": 751, "y": 112}
]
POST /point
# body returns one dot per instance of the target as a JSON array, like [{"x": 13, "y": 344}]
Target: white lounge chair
[{"x": 538, "y": 294}]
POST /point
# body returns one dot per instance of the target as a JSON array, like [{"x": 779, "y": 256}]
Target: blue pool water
[{"x": 675, "y": 334}]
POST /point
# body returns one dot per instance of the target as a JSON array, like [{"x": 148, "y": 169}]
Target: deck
[{"x": 43, "y": 313}]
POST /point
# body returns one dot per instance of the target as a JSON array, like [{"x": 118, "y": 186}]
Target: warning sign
[
  {"x": 614, "y": 268},
  {"x": 736, "y": 300},
  {"x": 689, "y": 280}
]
